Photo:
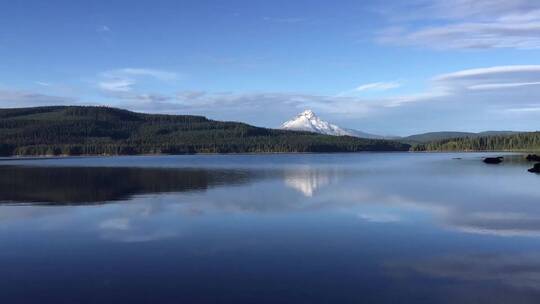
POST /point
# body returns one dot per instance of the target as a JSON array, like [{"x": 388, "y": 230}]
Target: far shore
[{"x": 48, "y": 157}]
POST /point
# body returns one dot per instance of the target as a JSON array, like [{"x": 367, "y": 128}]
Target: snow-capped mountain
[{"x": 308, "y": 121}]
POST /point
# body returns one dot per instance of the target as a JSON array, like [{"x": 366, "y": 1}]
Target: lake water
[{"x": 304, "y": 228}]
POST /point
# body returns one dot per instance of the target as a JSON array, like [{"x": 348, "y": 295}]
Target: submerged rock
[
  {"x": 533, "y": 157},
  {"x": 535, "y": 169},
  {"x": 493, "y": 160}
]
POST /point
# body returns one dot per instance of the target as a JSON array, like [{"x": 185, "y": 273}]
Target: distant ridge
[
  {"x": 489, "y": 141},
  {"x": 435, "y": 136}
]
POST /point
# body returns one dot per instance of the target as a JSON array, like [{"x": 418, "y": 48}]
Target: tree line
[{"x": 529, "y": 141}]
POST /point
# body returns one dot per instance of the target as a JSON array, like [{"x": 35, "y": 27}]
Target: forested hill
[
  {"x": 76, "y": 130},
  {"x": 529, "y": 141},
  {"x": 440, "y": 136}
]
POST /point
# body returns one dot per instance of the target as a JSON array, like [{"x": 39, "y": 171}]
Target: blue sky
[{"x": 389, "y": 67}]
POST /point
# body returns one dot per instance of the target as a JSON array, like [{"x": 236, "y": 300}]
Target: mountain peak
[
  {"x": 308, "y": 121},
  {"x": 308, "y": 114}
]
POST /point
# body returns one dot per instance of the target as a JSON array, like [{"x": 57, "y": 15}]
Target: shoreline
[{"x": 49, "y": 157}]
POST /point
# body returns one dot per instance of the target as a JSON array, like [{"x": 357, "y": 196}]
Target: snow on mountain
[{"x": 308, "y": 121}]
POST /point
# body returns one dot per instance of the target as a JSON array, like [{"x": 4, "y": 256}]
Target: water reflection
[
  {"x": 474, "y": 278},
  {"x": 517, "y": 271},
  {"x": 308, "y": 179},
  {"x": 462, "y": 195},
  {"x": 308, "y": 229},
  {"x": 82, "y": 185}
]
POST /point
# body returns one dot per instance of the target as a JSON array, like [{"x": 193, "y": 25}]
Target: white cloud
[
  {"x": 378, "y": 86},
  {"x": 492, "y": 72},
  {"x": 117, "y": 85},
  {"x": 492, "y": 83},
  {"x": 124, "y": 79},
  {"x": 131, "y": 72},
  {"x": 43, "y": 84},
  {"x": 371, "y": 87},
  {"x": 490, "y": 86},
  {"x": 523, "y": 110},
  {"x": 469, "y": 24},
  {"x": 124, "y": 83},
  {"x": 433, "y": 94},
  {"x": 149, "y": 97}
]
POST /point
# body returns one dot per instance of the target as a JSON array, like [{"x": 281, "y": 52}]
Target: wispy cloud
[
  {"x": 468, "y": 24},
  {"x": 496, "y": 72},
  {"x": 124, "y": 83},
  {"x": 378, "y": 86},
  {"x": 494, "y": 80},
  {"x": 140, "y": 72},
  {"x": 371, "y": 87},
  {"x": 117, "y": 85},
  {"x": 43, "y": 84},
  {"x": 488, "y": 82},
  {"x": 127, "y": 72},
  {"x": 491, "y": 86},
  {"x": 524, "y": 110}
]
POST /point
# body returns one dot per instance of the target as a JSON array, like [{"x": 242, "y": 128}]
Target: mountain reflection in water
[
  {"x": 92, "y": 185},
  {"x": 308, "y": 180}
]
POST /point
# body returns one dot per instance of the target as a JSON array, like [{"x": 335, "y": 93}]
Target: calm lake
[{"x": 291, "y": 228}]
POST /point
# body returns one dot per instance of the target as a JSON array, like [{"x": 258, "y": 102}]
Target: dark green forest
[
  {"x": 80, "y": 130},
  {"x": 529, "y": 141},
  {"x": 439, "y": 136}
]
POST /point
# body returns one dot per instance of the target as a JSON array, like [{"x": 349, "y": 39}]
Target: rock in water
[
  {"x": 533, "y": 157},
  {"x": 535, "y": 169},
  {"x": 493, "y": 160}
]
